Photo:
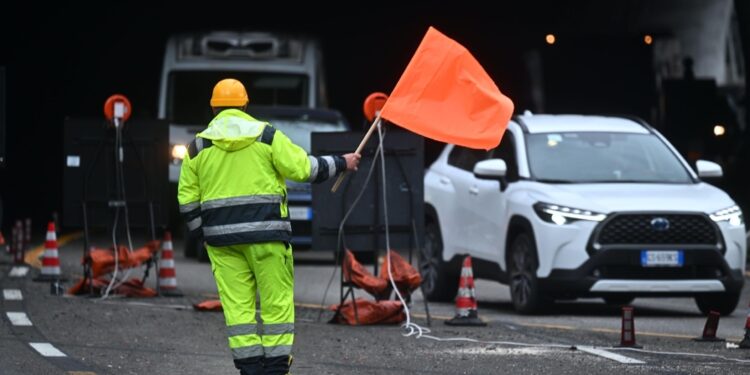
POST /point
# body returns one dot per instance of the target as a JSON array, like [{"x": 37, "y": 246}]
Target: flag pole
[{"x": 366, "y": 138}]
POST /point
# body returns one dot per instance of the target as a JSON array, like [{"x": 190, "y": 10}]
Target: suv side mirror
[
  {"x": 491, "y": 169},
  {"x": 707, "y": 169}
]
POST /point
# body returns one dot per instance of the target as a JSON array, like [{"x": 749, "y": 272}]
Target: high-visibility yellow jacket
[{"x": 232, "y": 181}]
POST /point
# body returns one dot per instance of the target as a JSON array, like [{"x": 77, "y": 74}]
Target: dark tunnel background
[{"x": 64, "y": 60}]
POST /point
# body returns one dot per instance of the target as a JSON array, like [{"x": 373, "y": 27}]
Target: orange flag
[{"x": 444, "y": 94}]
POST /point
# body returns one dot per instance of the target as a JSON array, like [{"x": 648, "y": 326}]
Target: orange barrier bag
[
  {"x": 370, "y": 312},
  {"x": 407, "y": 278},
  {"x": 103, "y": 261},
  {"x": 361, "y": 277},
  {"x": 209, "y": 305},
  {"x": 131, "y": 288}
]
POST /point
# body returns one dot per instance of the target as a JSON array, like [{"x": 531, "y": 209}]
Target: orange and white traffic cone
[
  {"x": 466, "y": 302},
  {"x": 745, "y": 343},
  {"x": 627, "y": 335},
  {"x": 51, "y": 258},
  {"x": 167, "y": 274}
]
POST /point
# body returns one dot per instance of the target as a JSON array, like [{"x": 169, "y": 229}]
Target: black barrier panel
[
  {"x": 364, "y": 230},
  {"x": 2, "y": 116},
  {"x": 89, "y": 172}
]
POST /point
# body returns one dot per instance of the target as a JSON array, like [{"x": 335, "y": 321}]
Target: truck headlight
[
  {"x": 178, "y": 153},
  {"x": 561, "y": 215},
  {"x": 732, "y": 215}
]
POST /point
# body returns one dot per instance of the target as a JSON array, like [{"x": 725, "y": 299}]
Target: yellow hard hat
[{"x": 229, "y": 93}]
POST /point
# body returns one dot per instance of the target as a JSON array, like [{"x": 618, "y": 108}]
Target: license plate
[
  {"x": 300, "y": 213},
  {"x": 661, "y": 258}
]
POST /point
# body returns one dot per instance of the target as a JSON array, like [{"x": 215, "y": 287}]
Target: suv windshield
[
  {"x": 190, "y": 92},
  {"x": 583, "y": 157}
]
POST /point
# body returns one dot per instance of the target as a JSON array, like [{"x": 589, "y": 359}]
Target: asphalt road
[{"x": 86, "y": 335}]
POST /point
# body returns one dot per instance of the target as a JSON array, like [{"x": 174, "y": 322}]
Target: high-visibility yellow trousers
[{"x": 241, "y": 271}]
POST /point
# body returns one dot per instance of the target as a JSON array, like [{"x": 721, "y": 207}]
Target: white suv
[{"x": 582, "y": 206}]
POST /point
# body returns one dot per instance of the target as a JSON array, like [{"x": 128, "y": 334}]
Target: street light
[
  {"x": 648, "y": 39},
  {"x": 719, "y": 130},
  {"x": 550, "y": 38}
]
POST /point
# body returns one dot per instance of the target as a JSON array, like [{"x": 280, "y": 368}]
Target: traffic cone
[
  {"x": 627, "y": 336},
  {"x": 745, "y": 343},
  {"x": 50, "y": 259},
  {"x": 167, "y": 274},
  {"x": 709, "y": 330},
  {"x": 466, "y": 302}
]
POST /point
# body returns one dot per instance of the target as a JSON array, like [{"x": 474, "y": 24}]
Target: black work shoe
[
  {"x": 250, "y": 366},
  {"x": 277, "y": 365}
]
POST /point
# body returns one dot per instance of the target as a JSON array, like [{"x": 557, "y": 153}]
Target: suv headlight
[
  {"x": 561, "y": 215},
  {"x": 732, "y": 215}
]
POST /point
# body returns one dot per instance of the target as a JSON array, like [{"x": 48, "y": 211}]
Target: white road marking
[
  {"x": 19, "y": 271},
  {"x": 46, "y": 349},
  {"x": 19, "y": 319},
  {"x": 493, "y": 350},
  {"x": 610, "y": 355},
  {"x": 12, "y": 294}
]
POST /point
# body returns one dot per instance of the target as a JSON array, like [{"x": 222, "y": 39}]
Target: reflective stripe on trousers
[{"x": 242, "y": 270}]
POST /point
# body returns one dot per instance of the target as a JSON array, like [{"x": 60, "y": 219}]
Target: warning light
[
  {"x": 719, "y": 130},
  {"x": 550, "y": 38},
  {"x": 648, "y": 39}
]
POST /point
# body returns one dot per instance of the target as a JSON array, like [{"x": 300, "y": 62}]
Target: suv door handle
[
  {"x": 474, "y": 190},
  {"x": 444, "y": 180}
]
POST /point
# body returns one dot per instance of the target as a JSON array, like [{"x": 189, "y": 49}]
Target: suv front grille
[{"x": 639, "y": 229}]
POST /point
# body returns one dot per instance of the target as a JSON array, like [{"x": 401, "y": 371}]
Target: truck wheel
[
  {"x": 439, "y": 278},
  {"x": 723, "y": 303},
  {"x": 524, "y": 285}
]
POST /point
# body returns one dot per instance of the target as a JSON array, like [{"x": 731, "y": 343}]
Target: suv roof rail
[
  {"x": 520, "y": 122},
  {"x": 638, "y": 121}
]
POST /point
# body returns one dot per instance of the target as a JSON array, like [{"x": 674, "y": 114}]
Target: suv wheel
[
  {"x": 723, "y": 303},
  {"x": 524, "y": 285},
  {"x": 439, "y": 278}
]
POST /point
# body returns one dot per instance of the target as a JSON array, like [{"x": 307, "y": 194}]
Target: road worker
[{"x": 232, "y": 187}]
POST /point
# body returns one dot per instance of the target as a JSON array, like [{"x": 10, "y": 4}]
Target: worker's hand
[{"x": 352, "y": 161}]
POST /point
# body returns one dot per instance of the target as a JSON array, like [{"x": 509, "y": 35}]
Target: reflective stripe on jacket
[{"x": 232, "y": 182}]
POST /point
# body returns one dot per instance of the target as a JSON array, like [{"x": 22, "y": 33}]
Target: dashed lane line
[
  {"x": 12, "y": 294},
  {"x": 19, "y": 271},
  {"x": 46, "y": 349},
  {"x": 609, "y": 355},
  {"x": 18, "y": 318},
  {"x": 32, "y": 257}
]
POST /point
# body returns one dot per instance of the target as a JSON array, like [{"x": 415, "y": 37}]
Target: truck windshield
[
  {"x": 595, "y": 157},
  {"x": 190, "y": 92}
]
